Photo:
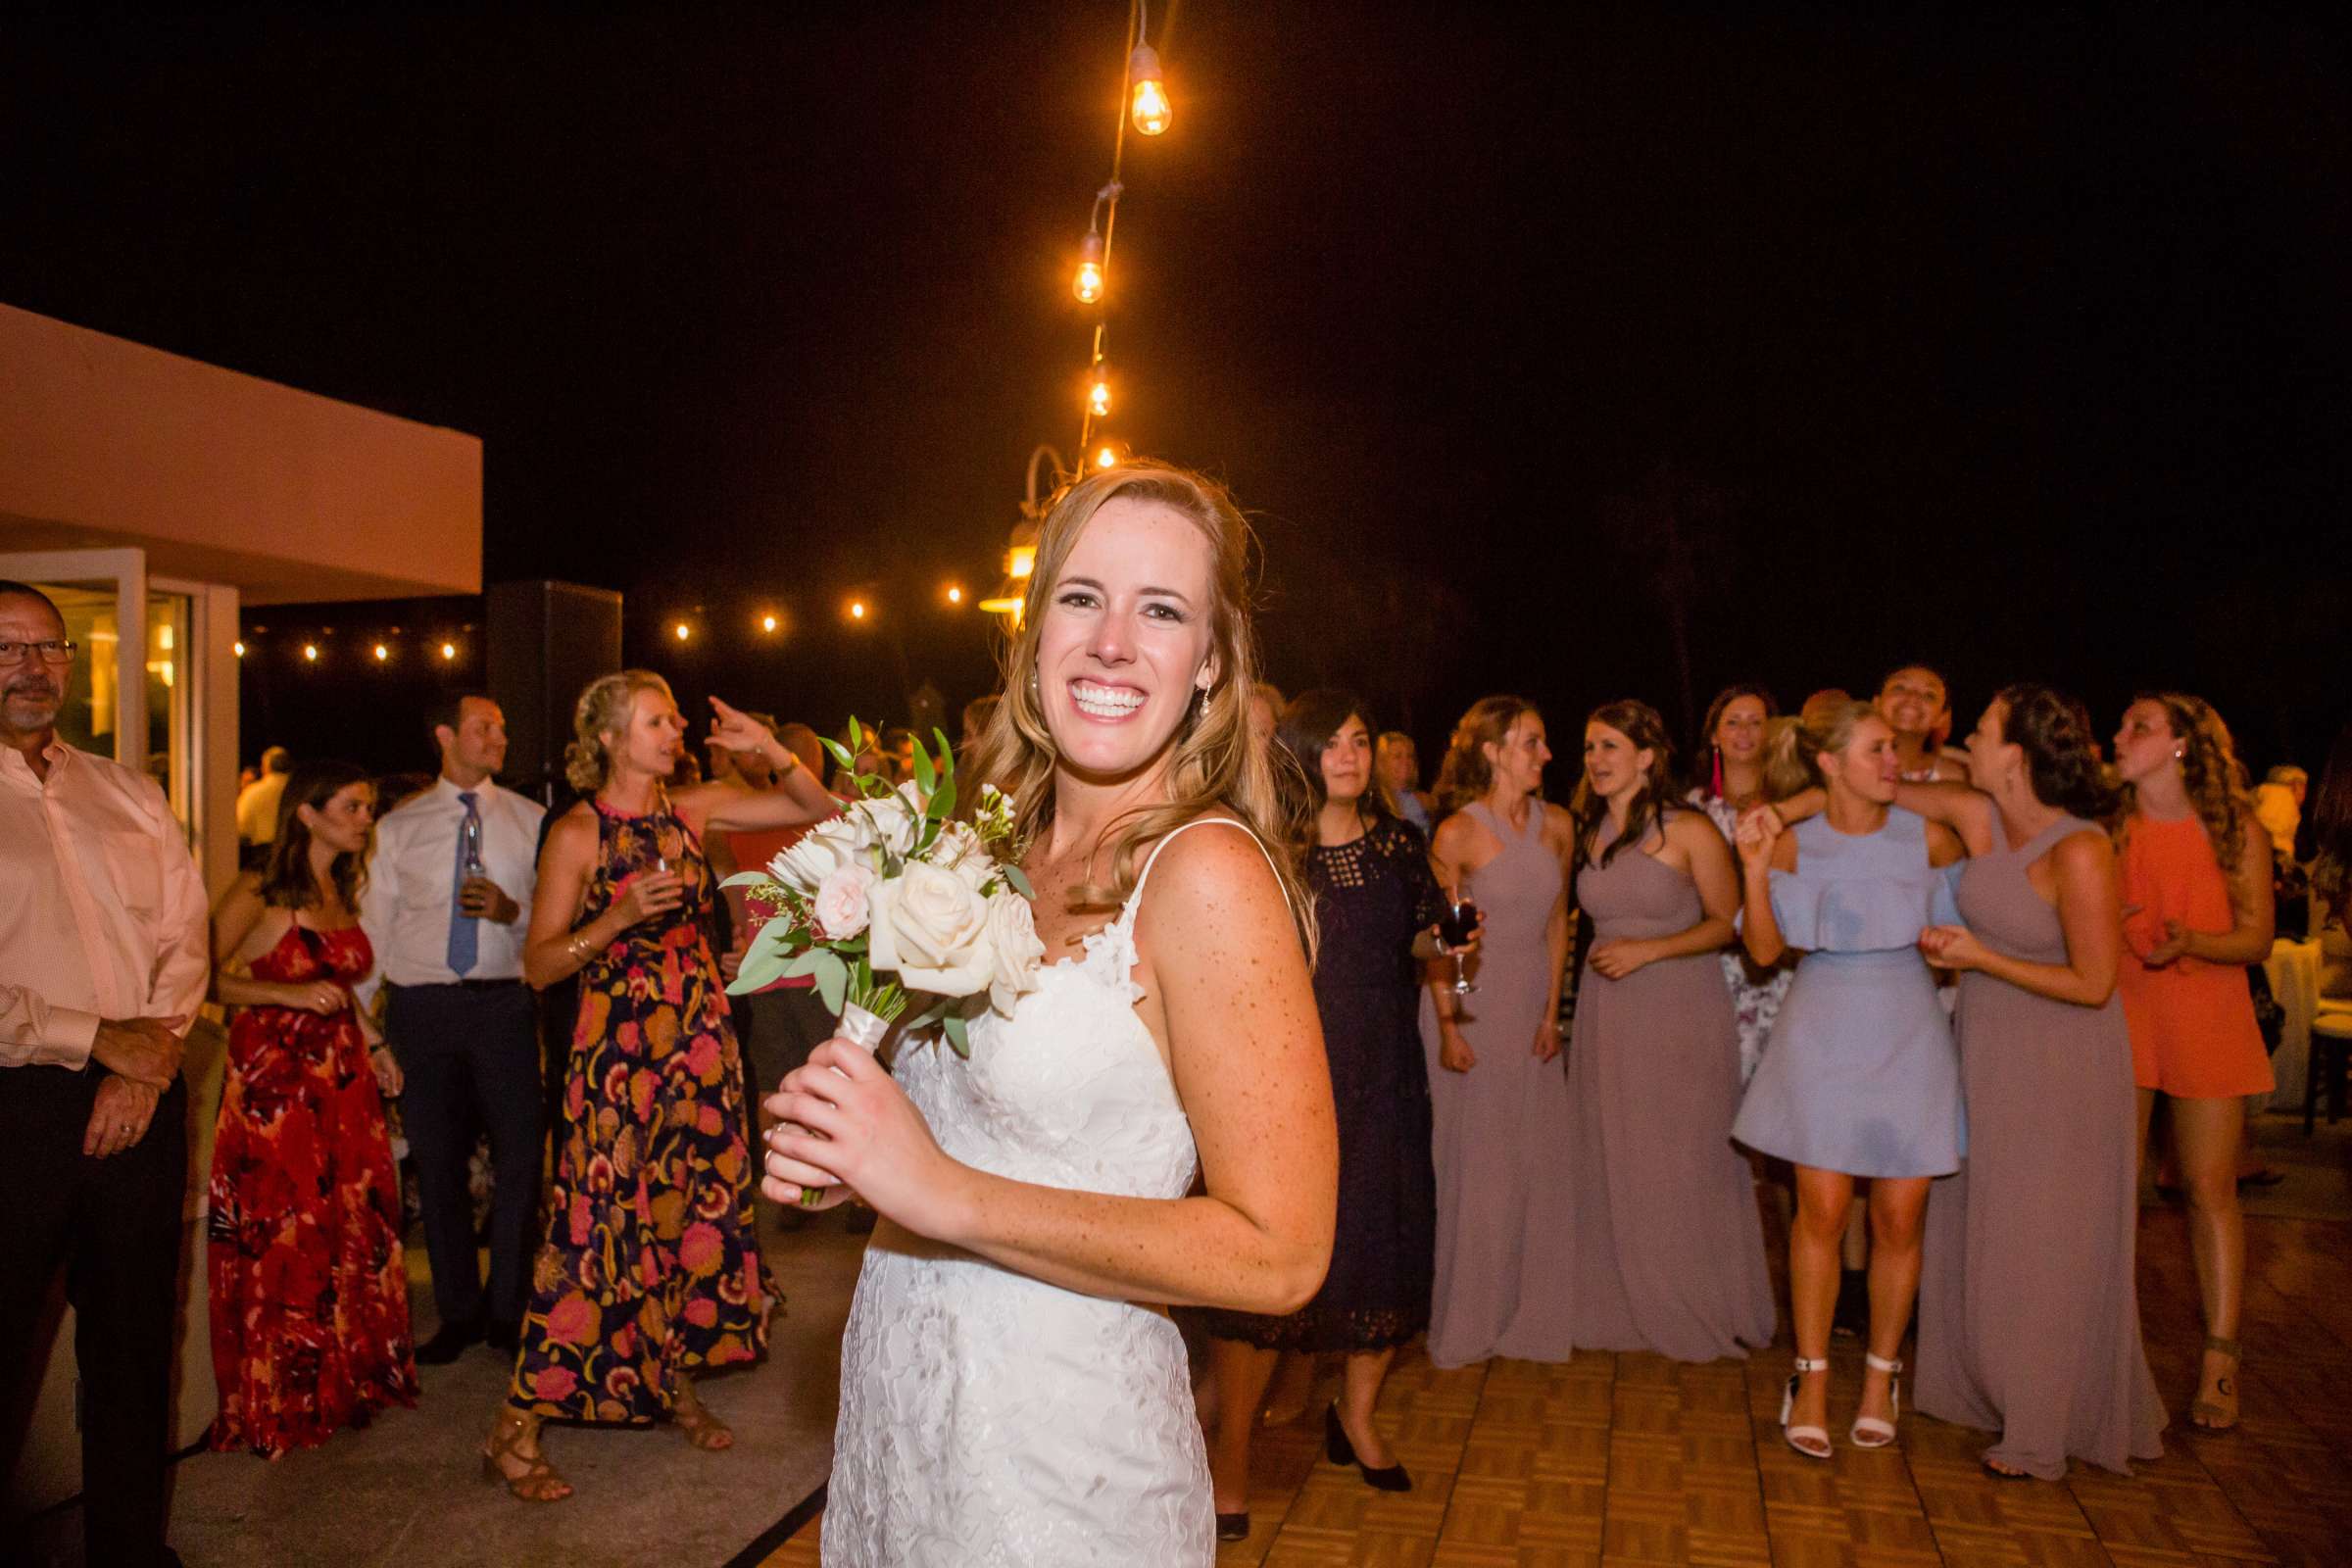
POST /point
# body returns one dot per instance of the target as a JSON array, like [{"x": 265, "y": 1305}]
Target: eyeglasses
[{"x": 55, "y": 650}]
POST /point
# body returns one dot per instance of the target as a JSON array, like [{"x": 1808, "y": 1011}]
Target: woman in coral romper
[{"x": 2197, "y": 910}]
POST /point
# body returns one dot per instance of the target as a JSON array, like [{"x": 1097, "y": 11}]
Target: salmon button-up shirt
[{"x": 102, "y": 911}]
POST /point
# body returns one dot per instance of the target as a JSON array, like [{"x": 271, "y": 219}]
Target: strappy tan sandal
[
  {"x": 536, "y": 1480},
  {"x": 2205, "y": 1415},
  {"x": 704, "y": 1430}
]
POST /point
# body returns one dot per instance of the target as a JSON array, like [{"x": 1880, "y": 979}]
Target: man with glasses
[{"x": 103, "y": 964}]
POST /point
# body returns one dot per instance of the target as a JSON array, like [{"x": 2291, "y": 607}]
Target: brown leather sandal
[
  {"x": 693, "y": 1418},
  {"x": 537, "y": 1480},
  {"x": 2207, "y": 1416}
]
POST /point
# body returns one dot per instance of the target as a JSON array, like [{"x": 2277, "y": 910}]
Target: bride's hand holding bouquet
[{"x": 894, "y": 906}]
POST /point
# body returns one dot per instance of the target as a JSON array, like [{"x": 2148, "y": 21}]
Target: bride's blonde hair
[{"x": 1218, "y": 766}]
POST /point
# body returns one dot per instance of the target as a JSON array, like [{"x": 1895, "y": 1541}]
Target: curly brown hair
[{"x": 2211, "y": 774}]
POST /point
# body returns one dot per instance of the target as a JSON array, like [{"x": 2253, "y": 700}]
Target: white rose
[
  {"x": 894, "y": 822},
  {"x": 844, "y": 903},
  {"x": 958, "y": 849},
  {"x": 932, "y": 930},
  {"x": 1014, "y": 941}
]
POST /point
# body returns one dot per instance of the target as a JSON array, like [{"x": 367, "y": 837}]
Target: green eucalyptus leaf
[
  {"x": 759, "y": 970},
  {"x": 747, "y": 879},
  {"x": 960, "y": 1034},
  {"x": 1020, "y": 882},
  {"x": 832, "y": 979}
]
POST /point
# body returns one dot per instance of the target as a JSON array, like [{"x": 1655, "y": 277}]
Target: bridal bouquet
[{"x": 894, "y": 904}]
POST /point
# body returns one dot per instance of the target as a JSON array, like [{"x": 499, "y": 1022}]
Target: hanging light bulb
[
  {"x": 1109, "y": 454},
  {"x": 449, "y": 652},
  {"x": 1088, "y": 285},
  {"x": 1097, "y": 390},
  {"x": 1152, "y": 109}
]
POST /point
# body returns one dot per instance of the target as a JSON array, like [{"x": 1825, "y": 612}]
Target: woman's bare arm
[{"x": 2089, "y": 912}]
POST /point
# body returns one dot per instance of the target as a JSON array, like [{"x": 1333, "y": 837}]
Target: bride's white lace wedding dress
[{"x": 988, "y": 1418}]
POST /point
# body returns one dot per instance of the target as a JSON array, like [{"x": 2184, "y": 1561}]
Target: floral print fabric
[
  {"x": 310, "y": 1296},
  {"x": 651, "y": 1268}
]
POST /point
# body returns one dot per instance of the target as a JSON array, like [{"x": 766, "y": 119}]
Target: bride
[{"x": 1012, "y": 1389}]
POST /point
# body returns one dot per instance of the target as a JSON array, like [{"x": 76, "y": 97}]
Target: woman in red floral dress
[{"x": 310, "y": 1298}]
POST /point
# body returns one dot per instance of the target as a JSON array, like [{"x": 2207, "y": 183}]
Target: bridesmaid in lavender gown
[
  {"x": 1668, "y": 1244},
  {"x": 1498, "y": 1099},
  {"x": 2029, "y": 1318}
]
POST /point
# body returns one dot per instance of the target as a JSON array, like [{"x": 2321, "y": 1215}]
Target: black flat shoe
[
  {"x": 448, "y": 1344},
  {"x": 1342, "y": 1451},
  {"x": 1233, "y": 1526}
]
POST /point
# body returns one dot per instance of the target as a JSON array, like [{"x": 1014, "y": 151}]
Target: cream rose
[
  {"x": 844, "y": 903},
  {"x": 1013, "y": 942},
  {"x": 931, "y": 929}
]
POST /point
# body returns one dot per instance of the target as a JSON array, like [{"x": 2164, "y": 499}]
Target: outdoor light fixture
[
  {"x": 684, "y": 631},
  {"x": 448, "y": 650},
  {"x": 310, "y": 652},
  {"x": 382, "y": 652},
  {"x": 1152, "y": 109},
  {"x": 856, "y": 610},
  {"x": 1097, "y": 391},
  {"x": 1088, "y": 285},
  {"x": 767, "y": 623},
  {"x": 955, "y": 594}
]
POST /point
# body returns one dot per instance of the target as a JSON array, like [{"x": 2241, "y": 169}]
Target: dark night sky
[{"x": 2017, "y": 345}]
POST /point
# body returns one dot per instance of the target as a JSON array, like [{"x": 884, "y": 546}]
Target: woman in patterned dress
[
  {"x": 310, "y": 1299},
  {"x": 1733, "y": 741},
  {"x": 651, "y": 1271}
]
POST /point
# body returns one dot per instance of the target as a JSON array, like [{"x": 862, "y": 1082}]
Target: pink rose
[
  {"x": 554, "y": 1384},
  {"x": 843, "y": 902}
]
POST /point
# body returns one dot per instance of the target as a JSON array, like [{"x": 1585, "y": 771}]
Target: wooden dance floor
[{"x": 1636, "y": 1460}]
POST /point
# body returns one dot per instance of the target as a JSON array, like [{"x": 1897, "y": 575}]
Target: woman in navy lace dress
[{"x": 1378, "y": 902}]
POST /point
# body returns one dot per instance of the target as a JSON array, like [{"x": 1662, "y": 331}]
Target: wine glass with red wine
[{"x": 1456, "y": 926}]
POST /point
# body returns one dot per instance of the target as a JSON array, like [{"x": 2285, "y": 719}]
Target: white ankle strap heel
[
  {"x": 1869, "y": 1430},
  {"x": 1810, "y": 1441}
]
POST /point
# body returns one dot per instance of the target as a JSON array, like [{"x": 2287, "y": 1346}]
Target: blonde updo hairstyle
[
  {"x": 1792, "y": 755},
  {"x": 602, "y": 710},
  {"x": 1465, "y": 774},
  {"x": 1218, "y": 766}
]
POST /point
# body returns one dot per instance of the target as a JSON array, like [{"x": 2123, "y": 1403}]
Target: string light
[
  {"x": 955, "y": 594},
  {"x": 1109, "y": 454},
  {"x": 1152, "y": 108},
  {"x": 1088, "y": 285},
  {"x": 241, "y": 648},
  {"x": 767, "y": 622},
  {"x": 683, "y": 631},
  {"x": 856, "y": 610},
  {"x": 382, "y": 652},
  {"x": 449, "y": 652},
  {"x": 310, "y": 652},
  {"x": 1097, "y": 391}
]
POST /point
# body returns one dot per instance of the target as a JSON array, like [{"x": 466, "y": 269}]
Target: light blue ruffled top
[{"x": 1869, "y": 893}]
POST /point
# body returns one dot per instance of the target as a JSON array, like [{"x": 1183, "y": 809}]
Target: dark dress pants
[
  {"x": 115, "y": 1227},
  {"x": 470, "y": 1056}
]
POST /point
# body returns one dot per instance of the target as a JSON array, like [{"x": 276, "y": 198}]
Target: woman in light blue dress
[{"x": 1862, "y": 1079}]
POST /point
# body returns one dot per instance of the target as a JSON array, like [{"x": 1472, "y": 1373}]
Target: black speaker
[{"x": 547, "y": 641}]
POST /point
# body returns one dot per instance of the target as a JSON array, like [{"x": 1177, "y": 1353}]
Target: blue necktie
[{"x": 464, "y": 933}]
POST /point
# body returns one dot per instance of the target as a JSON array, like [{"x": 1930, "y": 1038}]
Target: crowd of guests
[{"x": 1935, "y": 988}]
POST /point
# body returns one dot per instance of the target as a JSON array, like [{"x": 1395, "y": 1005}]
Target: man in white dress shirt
[
  {"x": 103, "y": 964},
  {"x": 446, "y": 904}
]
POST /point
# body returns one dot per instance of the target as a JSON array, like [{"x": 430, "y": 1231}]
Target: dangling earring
[
  {"x": 1718, "y": 783},
  {"x": 1032, "y": 687}
]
